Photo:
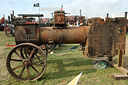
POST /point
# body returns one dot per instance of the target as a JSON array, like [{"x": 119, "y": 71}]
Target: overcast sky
[{"x": 90, "y": 8}]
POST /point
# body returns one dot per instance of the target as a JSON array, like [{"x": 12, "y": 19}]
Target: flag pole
[{"x": 37, "y": 5}]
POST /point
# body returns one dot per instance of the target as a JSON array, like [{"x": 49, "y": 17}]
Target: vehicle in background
[{"x": 2, "y": 24}]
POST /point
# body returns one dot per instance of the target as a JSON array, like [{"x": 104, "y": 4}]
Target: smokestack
[
  {"x": 9, "y": 20},
  {"x": 107, "y": 15},
  {"x": 80, "y": 12},
  {"x": 126, "y": 15},
  {"x": 13, "y": 12},
  {"x": 52, "y": 14}
]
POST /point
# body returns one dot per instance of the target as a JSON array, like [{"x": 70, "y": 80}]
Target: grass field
[{"x": 61, "y": 68}]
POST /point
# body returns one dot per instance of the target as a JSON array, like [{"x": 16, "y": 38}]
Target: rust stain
[
  {"x": 102, "y": 22},
  {"x": 27, "y": 31}
]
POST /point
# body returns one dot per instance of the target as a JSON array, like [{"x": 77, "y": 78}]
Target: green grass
[{"x": 61, "y": 69}]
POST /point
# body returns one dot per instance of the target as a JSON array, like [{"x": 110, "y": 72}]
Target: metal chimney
[
  {"x": 13, "y": 12},
  {"x": 126, "y": 15},
  {"x": 107, "y": 15},
  {"x": 9, "y": 20},
  {"x": 80, "y": 12}
]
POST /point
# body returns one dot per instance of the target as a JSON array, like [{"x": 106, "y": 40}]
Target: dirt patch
[
  {"x": 3, "y": 70},
  {"x": 62, "y": 83},
  {"x": 2, "y": 49}
]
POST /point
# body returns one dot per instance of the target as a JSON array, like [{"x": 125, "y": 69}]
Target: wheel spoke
[
  {"x": 22, "y": 72},
  {"x": 26, "y": 55},
  {"x": 25, "y": 52},
  {"x": 37, "y": 64},
  {"x": 43, "y": 54},
  {"x": 16, "y": 60},
  {"x": 17, "y": 67},
  {"x": 22, "y": 52},
  {"x": 18, "y": 55},
  {"x": 31, "y": 53},
  {"x": 34, "y": 69},
  {"x": 38, "y": 57},
  {"x": 28, "y": 73}
]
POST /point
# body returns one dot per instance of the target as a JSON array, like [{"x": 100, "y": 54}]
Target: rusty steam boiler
[{"x": 101, "y": 38}]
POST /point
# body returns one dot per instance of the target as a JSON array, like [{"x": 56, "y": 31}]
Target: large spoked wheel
[
  {"x": 9, "y": 32},
  {"x": 26, "y": 62}
]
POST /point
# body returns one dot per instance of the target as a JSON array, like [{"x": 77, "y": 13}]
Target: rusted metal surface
[
  {"x": 105, "y": 37},
  {"x": 48, "y": 35},
  {"x": 71, "y": 20},
  {"x": 101, "y": 38},
  {"x": 59, "y": 18},
  {"x": 64, "y": 36},
  {"x": 27, "y": 33}
]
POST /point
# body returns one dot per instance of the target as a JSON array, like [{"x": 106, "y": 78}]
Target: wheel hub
[{"x": 26, "y": 62}]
